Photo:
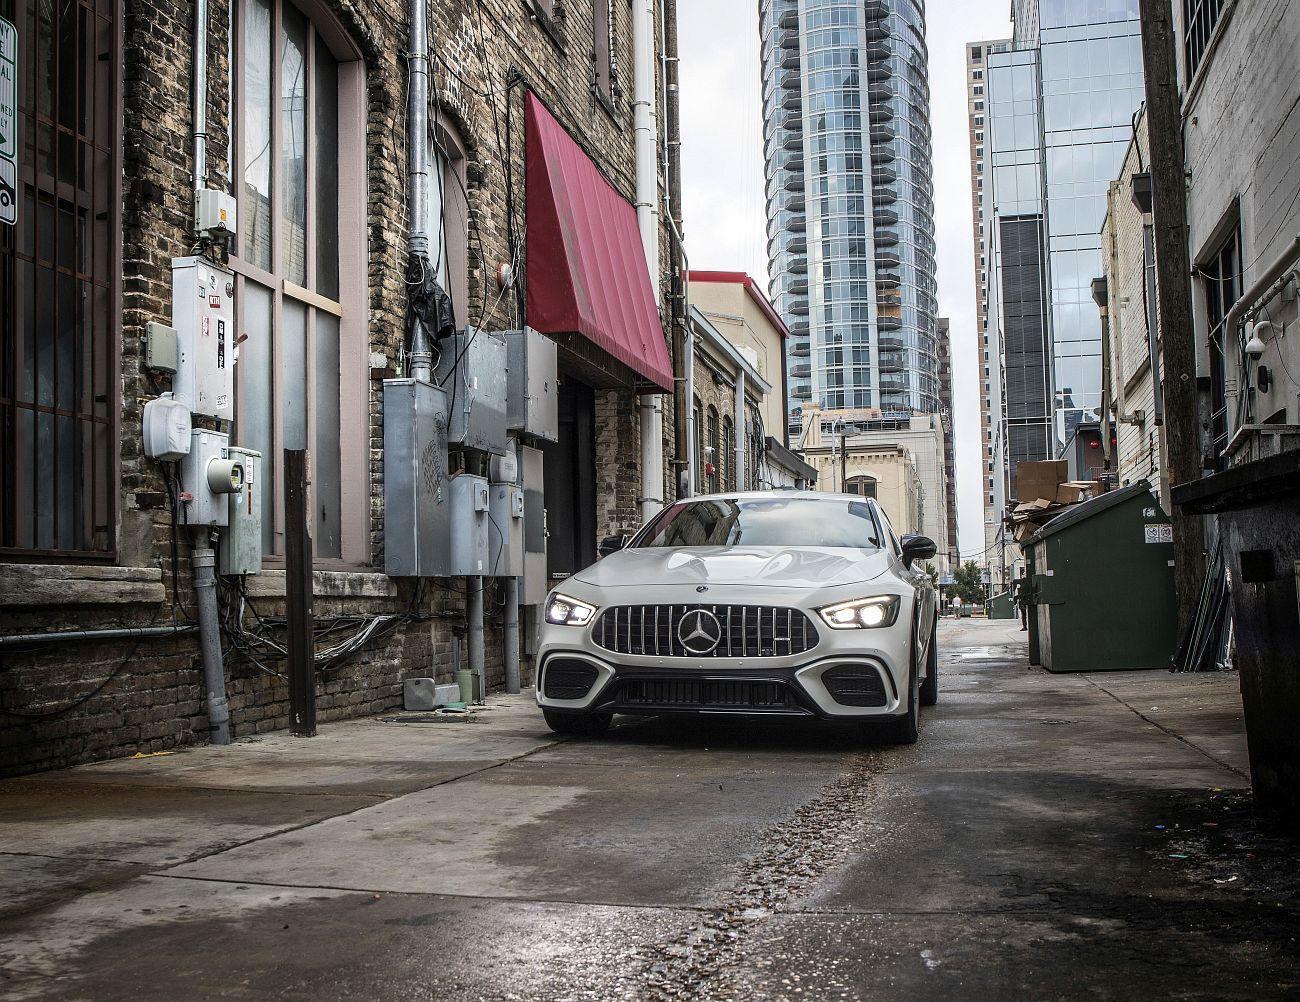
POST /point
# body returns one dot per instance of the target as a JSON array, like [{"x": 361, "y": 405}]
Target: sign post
[{"x": 8, "y": 122}]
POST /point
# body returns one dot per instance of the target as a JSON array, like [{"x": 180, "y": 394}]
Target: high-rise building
[
  {"x": 850, "y": 201},
  {"x": 1060, "y": 105},
  {"x": 949, "y": 438},
  {"x": 977, "y": 55}
]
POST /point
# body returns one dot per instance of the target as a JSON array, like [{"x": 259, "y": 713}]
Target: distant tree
[
  {"x": 934, "y": 574},
  {"x": 968, "y": 584}
]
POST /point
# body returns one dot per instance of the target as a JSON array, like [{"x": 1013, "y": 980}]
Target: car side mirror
[
  {"x": 612, "y": 544},
  {"x": 917, "y": 548}
]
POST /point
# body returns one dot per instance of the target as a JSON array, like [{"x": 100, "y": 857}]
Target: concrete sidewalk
[{"x": 1062, "y": 836}]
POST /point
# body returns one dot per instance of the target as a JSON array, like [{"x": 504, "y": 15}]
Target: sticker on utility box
[{"x": 1159, "y": 533}]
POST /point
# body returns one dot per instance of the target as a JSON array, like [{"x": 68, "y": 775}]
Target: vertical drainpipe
[
  {"x": 647, "y": 213},
  {"x": 202, "y": 558},
  {"x": 417, "y": 140},
  {"x": 683, "y": 389},
  {"x": 738, "y": 423}
]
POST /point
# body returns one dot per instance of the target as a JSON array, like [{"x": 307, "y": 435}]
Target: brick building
[{"x": 306, "y": 105}]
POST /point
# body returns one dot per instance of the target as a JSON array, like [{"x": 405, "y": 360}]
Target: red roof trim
[
  {"x": 755, "y": 293},
  {"x": 585, "y": 262}
]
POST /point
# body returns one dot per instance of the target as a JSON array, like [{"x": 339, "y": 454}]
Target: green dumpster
[
  {"x": 1003, "y": 606},
  {"x": 1104, "y": 584}
]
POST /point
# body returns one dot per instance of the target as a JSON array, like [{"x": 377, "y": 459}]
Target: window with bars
[
  {"x": 715, "y": 450},
  {"x": 1222, "y": 284},
  {"x": 701, "y": 458},
  {"x": 299, "y": 167},
  {"x": 59, "y": 313},
  {"x": 602, "y": 49},
  {"x": 728, "y": 464},
  {"x": 1199, "y": 20}
]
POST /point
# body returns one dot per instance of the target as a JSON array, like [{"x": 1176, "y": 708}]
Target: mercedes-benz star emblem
[{"x": 699, "y": 631}]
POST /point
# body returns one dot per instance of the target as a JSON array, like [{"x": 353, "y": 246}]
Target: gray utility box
[
  {"x": 506, "y": 534},
  {"x": 469, "y": 550},
  {"x": 472, "y": 370},
  {"x": 417, "y": 492},
  {"x": 533, "y": 407},
  {"x": 240, "y": 550},
  {"x": 533, "y": 590}
]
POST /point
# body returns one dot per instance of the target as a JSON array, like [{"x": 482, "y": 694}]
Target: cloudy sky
[{"x": 722, "y": 157}]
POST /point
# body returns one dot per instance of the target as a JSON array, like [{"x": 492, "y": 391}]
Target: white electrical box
[
  {"x": 208, "y": 476},
  {"x": 160, "y": 348},
  {"x": 469, "y": 550},
  {"x": 166, "y": 427},
  {"x": 203, "y": 296},
  {"x": 240, "y": 551},
  {"x": 506, "y": 533},
  {"x": 214, "y": 212}
]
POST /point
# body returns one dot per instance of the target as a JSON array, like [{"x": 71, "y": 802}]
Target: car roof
[{"x": 776, "y": 496}]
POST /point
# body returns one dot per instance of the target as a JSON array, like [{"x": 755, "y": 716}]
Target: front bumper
[{"x": 847, "y": 675}]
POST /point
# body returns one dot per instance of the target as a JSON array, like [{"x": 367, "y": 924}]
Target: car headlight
[
  {"x": 862, "y": 613},
  {"x": 564, "y": 611}
]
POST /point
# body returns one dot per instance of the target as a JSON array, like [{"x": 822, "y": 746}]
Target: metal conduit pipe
[
  {"x": 512, "y": 635},
  {"x": 204, "y": 561},
  {"x": 112, "y": 633},
  {"x": 199, "y": 95},
  {"x": 474, "y": 629},
  {"x": 417, "y": 141}
]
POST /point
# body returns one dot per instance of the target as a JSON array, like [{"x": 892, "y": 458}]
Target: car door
[{"x": 917, "y": 576}]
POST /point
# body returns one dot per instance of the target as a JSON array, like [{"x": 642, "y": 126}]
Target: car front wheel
[
  {"x": 930, "y": 687},
  {"x": 906, "y": 729},
  {"x": 588, "y": 725}
]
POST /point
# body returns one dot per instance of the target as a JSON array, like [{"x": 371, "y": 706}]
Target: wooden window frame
[{"x": 351, "y": 308}]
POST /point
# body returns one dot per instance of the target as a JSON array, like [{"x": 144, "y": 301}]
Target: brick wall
[{"x": 73, "y": 702}]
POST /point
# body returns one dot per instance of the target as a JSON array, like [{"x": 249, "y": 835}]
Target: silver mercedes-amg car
[{"x": 781, "y": 603}]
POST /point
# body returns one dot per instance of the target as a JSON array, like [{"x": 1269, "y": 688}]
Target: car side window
[{"x": 889, "y": 531}]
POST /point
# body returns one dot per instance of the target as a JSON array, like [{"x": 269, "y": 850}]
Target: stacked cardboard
[{"x": 1042, "y": 493}]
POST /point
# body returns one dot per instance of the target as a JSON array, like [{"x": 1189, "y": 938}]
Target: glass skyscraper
[
  {"x": 1061, "y": 107},
  {"x": 850, "y": 201}
]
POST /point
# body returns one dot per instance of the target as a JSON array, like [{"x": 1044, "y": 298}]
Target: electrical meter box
[
  {"x": 532, "y": 405},
  {"x": 469, "y": 550},
  {"x": 472, "y": 369},
  {"x": 506, "y": 534},
  {"x": 240, "y": 551},
  {"x": 417, "y": 490},
  {"x": 203, "y": 296},
  {"x": 214, "y": 212},
  {"x": 533, "y": 589},
  {"x": 209, "y": 475},
  {"x": 166, "y": 428}
]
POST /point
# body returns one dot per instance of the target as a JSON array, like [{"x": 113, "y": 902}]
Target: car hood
[{"x": 755, "y": 566}]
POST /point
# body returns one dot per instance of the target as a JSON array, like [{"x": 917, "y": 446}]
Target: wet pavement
[{"x": 1081, "y": 836}]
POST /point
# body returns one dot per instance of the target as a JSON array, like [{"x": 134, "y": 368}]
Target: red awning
[{"x": 586, "y": 264}]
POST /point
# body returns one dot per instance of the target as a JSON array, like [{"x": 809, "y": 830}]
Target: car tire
[
  {"x": 583, "y": 725},
  {"x": 906, "y": 729},
  {"x": 930, "y": 687}
]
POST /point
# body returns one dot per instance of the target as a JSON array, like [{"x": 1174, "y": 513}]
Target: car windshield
[{"x": 762, "y": 522}]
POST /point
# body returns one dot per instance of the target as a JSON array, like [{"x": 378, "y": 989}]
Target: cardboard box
[
  {"x": 1040, "y": 480},
  {"x": 1076, "y": 491}
]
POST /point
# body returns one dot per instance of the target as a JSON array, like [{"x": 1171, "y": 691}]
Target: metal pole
[
  {"x": 199, "y": 94},
  {"x": 512, "y": 635},
  {"x": 474, "y": 614},
  {"x": 417, "y": 140},
  {"x": 298, "y": 596},
  {"x": 204, "y": 562}
]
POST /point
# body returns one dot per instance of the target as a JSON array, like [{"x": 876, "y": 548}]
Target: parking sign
[{"x": 8, "y": 122}]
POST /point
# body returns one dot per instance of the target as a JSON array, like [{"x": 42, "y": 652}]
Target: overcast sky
[{"x": 722, "y": 163}]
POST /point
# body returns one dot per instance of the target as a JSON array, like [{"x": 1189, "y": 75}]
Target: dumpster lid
[{"x": 1087, "y": 509}]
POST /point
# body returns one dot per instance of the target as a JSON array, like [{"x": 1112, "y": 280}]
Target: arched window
[
  {"x": 300, "y": 261},
  {"x": 863, "y": 486},
  {"x": 715, "y": 449},
  {"x": 700, "y": 456},
  {"x": 448, "y": 218}
]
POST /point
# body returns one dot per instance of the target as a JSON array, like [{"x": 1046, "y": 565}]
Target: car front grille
[
  {"x": 746, "y": 631},
  {"x": 855, "y": 685},
  {"x": 568, "y": 678},
  {"x": 705, "y": 694}
]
